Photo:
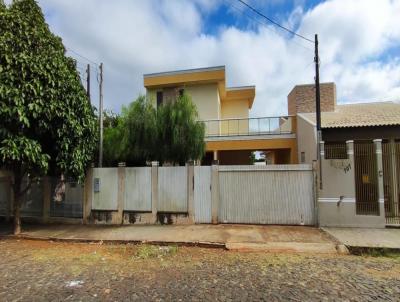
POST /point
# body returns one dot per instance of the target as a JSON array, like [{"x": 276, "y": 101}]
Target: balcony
[{"x": 259, "y": 126}]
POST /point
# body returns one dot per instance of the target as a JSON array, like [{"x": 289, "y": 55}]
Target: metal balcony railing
[{"x": 250, "y": 126}]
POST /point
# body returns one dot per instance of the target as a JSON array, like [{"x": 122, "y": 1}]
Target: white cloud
[{"x": 137, "y": 37}]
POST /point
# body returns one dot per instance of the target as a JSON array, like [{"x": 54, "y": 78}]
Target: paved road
[{"x": 43, "y": 271}]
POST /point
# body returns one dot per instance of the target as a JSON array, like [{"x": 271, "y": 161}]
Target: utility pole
[
  {"x": 101, "y": 116},
  {"x": 88, "y": 82},
  {"x": 318, "y": 108}
]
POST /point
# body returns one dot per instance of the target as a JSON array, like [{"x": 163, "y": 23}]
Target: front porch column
[
  {"x": 215, "y": 155},
  {"x": 379, "y": 166}
]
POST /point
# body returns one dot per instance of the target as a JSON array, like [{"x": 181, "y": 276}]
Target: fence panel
[
  {"x": 138, "y": 189},
  {"x": 276, "y": 194},
  {"x": 202, "y": 194},
  {"x": 5, "y": 195},
  {"x": 32, "y": 201},
  {"x": 172, "y": 189},
  {"x": 105, "y": 189},
  {"x": 71, "y": 204}
]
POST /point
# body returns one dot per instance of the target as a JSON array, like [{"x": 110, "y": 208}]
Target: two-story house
[{"x": 231, "y": 135}]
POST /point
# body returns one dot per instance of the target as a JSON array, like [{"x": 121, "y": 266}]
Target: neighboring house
[
  {"x": 231, "y": 135},
  {"x": 361, "y": 140}
]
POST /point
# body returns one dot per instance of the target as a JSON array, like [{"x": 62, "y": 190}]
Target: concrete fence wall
[
  {"x": 337, "y": 198},
  {"x": 276, "y": 194}
]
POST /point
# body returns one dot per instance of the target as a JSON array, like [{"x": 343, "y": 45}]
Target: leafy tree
[
  {"x": 169, "y": 134},
  {"x": 47, "y": 124},
  {"x": 112, "y": 138},
  {"x": 139, "y": 132},
  {"x": 180, "y": 134}
]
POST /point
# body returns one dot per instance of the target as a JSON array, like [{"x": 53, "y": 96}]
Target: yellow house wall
[
  {"x": 207, "y": 101},
  {"x": 234, "y": 109}
]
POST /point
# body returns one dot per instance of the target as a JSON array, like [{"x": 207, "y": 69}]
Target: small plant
[{"x": 146, "y": 251}]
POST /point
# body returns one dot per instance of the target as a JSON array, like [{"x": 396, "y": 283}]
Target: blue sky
[
  {"x": 233, "y": 13},
  {"x": 359, "y": 44}
]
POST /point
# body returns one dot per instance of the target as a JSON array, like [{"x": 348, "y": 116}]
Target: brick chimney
[{"x": 302, "y": 98}]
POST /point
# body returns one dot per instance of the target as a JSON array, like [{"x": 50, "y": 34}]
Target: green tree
[
  {"x": 169, "y": 134},
  {"x": 139, "y": 132},
  {"x": 180, "y": 134},
  {"x": 47, "y": 124}
]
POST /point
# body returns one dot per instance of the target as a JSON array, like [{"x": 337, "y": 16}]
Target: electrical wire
[
  {"x": 263, "y": 24},
  {"x": 275, "y": 23},
  {"x": 83, "y": 57}
]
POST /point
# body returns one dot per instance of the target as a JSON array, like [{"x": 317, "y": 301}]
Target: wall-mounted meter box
[{"x": 96, "y": 185}]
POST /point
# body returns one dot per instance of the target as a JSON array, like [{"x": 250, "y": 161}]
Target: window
[
  {"x": 159, "y": 98},
  {"x": 335, "y": 150},
  {"x": 181, "y": 92},
  {"x": 303, "y": 157}
]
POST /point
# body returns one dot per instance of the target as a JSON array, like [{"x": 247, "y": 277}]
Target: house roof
[
  {"x": 242, "y": 92},
  {"x": 215, "y": 74},
  {"x": 359, "y": 115}
]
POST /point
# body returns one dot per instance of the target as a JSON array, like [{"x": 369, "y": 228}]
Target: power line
[
  {"x": 263, "y": 23},
  {"x": 273, "y": 22},
  {"x": 83, "y": 57}
]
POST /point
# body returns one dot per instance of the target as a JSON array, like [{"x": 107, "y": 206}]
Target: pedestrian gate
[{"x": 391, "y": 181}]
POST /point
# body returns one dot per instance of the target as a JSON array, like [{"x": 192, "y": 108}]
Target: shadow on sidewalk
[{"x": 6, "y": 228}]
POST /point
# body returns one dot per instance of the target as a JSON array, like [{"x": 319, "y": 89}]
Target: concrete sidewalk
[
  {"x": 366, "y": 238},
  {"x": 234, "y": 237}
]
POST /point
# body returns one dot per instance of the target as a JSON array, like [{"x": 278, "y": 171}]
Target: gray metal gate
[
  {"x": 71, "y": 205},
  {"x": 366, "y": 178},
  {"x": 276, "y": 194},
  {"x": 391, "y": 181},
  {"x": 5, "y": 196},
  {"x": 202, "y": 194}
]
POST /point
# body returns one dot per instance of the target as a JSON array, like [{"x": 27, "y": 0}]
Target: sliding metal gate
[{"x": 276, "y": 194}]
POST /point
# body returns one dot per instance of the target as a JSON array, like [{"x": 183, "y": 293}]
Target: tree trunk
[{"x": 17, "y": 204}]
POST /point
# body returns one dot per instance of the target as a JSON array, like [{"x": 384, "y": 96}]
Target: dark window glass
[
  {"x": 181, "y": 92},
  {"x": 159, "y": 98}
]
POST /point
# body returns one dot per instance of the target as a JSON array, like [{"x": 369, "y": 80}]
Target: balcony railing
[{"x": 250, "y": 126}]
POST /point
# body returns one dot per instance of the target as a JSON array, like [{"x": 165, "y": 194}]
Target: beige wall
[
  {"x": 302, "y": 98},
  {"x": 207, "y": 101},
  {"x": 337, "y": 198},
  {"x": 234, "y": 109},
  {"x": 306, "y": 140},
  {"x": 205, "y": 97}
]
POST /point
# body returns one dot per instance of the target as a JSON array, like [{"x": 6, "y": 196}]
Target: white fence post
[
  {"x": 190, "y": 188},
  {"x": 154, "y": 190},
  {"x": 88, "y": 196},
  {"x": 121, "y": 194},
  {"x": 214, "y": 192}
]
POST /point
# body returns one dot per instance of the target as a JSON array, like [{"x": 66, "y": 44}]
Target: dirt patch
[{"x": 43, "y": 271}]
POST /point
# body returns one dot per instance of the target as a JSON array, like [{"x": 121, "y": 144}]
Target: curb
[
  {"x": 113, "y": 241},
  {"x": 292, "y": 247}
]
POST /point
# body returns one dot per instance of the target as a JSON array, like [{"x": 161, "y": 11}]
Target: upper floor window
[{"x": 159, "y": 98}]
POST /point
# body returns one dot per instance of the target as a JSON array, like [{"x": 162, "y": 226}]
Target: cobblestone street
[{"x": 44, "y": 271}]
